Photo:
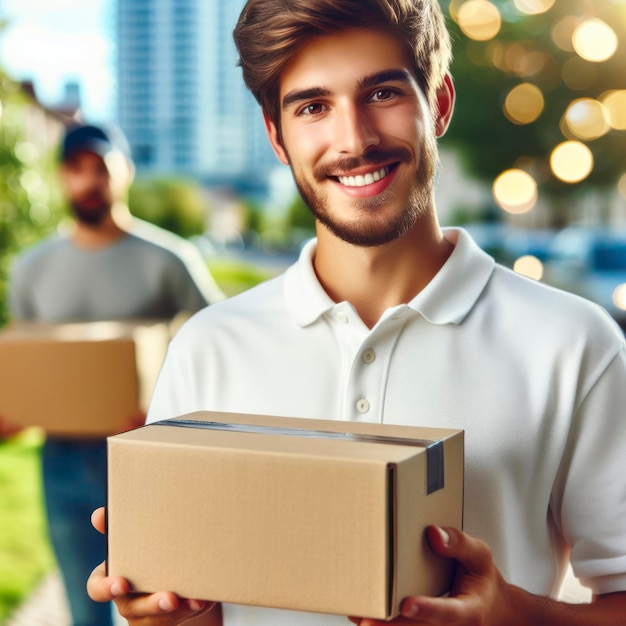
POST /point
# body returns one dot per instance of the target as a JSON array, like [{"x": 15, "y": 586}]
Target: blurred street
[{"x": 47, "y": 606}]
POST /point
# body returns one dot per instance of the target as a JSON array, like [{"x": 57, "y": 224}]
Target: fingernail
[
  {"x": 410, "y": 609},
  {"x": 445, "y": 537},
  {"x": 196, "y": 605},
  {"x": 116, "y": 590},
  {"x": 166, "y": 605}
]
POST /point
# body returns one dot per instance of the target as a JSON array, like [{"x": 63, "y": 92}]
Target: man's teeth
[{"x": 361, "y": 181}]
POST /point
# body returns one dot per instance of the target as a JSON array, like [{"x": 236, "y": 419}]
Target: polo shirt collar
[
  {"x": 455, "y": 289},
  {"x": 447, "y": 299}
]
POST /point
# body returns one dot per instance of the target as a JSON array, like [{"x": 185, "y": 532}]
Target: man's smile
[
  {"x": 361, "y": 180},
  {"x": 367, "y": 184}
]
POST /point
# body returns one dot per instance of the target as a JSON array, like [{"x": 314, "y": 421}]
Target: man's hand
[
  {"x": 158, "y": 609},
  {"x": 479, "y": 594}
]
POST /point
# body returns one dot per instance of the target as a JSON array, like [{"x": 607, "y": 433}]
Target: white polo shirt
[{"x": 536, "y": 378}]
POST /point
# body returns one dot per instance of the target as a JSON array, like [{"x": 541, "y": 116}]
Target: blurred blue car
[{"x": 591, "y": 262}]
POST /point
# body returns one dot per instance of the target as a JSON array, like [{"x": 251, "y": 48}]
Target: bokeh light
[
  {"x": 587, "y": 119},
  {"x": 563, "y": 33},
  {"x": 534, "y": 7},
  {"x": 594, "y": 40},
  {"x": 479, "y": 19},
  {"x": 571, "y": 161},
  {"x": 523, "y": 59},
  {"x": 619, "y": 297},
  {"x": 530, "y": 266},
  {"x": 453, "y": 9},
  {"x": 515, "y": 191},
  {"x": 615, "y": 103},
  {"x": 514, "y": 58},
  {"x": 579, "y": 74},
  {"x": 524, "y": 104}
]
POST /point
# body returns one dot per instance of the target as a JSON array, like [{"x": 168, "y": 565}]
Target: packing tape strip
[{"x": 434, "y": 448}]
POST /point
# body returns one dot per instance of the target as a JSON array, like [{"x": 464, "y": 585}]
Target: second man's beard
[{"x": 92, "y": 212}]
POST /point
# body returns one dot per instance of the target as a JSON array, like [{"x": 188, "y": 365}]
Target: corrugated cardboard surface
[
  {"x": 83, "y": 379},
  {"x": 304, "y": 523}
]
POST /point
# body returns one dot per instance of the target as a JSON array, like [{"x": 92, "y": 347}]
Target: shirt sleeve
[
  {"x": 177, "y": 391},
  {"x": 589, "y": 497}
]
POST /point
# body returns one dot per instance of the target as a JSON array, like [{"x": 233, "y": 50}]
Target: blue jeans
[{"x": 74, "y": 482}]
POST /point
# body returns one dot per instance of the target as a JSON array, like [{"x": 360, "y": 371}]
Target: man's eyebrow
[
  {"x": 399, "y": 75},
  {"x": 300, "y": 95}
]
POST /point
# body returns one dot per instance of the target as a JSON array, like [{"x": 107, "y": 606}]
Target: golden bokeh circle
[
  {"x": 615, "y": 103},
  {"x": 529, "y": 266},
  {"x": 533, "y": 7},
  {"x": 524, "y": 104},
  {"x": 594, "y": 40},
  {"x": 479, "y": 19},
  {"x": 515, "y": 191},
  {"x": 587, "y": 119},
  {"x": 571, "y": 161}
]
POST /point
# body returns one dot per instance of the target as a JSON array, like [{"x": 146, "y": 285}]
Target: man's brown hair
[{"x": 270, "y": 31}]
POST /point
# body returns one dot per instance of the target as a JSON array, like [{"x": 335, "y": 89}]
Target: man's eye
[
  {"x": 311, "y": 109},
  {"x": 380, "y": 95}
]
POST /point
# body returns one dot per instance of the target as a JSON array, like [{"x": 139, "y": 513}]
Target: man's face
[
  {"x": 87, "y": 185},
  {"x": 357, "y": 134}
]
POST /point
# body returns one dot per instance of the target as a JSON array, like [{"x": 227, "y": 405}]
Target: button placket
[{"x": 367, "y": 382}]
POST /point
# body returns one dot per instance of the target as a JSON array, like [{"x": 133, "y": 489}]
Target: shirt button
[
  {"x": 362, "y": 406},
  {"x": 342, "y": 318},
  {"x": 369, "y": 356}
]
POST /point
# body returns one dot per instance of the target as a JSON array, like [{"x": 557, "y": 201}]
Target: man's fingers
[
  {"x": 138, "y": 606},
  {"x": 436, "y": 610},
  {"x": 97, "y": 519},
  {"x": 473, "y": 553},
  {"x": 102, "y": 588}
]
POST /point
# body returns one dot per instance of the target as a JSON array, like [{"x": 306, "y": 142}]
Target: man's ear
[
  {"x": 275, "y": 140},
  {"x": 445, "y": 105}
]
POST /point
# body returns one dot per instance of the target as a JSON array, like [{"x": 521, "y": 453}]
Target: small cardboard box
[
  {"x": 310, "y": 515},
  {"x": 79, "y": 379}
]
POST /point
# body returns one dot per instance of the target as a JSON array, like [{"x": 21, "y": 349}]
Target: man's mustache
[{"x": 373, "y": 158}]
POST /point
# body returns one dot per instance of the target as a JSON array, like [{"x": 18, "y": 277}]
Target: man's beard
[
  {"x": 374, "y": 230},
  {"x": 90, "y": 210}
]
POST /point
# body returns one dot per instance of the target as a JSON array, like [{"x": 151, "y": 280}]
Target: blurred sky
[{"x": 52, "y": 41}]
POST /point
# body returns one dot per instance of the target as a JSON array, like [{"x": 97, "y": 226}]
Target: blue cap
[{"x": 100, "y": 140}]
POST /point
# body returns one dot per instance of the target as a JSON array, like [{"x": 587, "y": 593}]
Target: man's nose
[{"x": 355, "y": 131}]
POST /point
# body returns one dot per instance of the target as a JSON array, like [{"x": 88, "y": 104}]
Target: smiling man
[{"x": 388, "y": 318}]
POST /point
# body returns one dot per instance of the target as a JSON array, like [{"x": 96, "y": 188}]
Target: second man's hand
[{"x": 163, "y": 608}]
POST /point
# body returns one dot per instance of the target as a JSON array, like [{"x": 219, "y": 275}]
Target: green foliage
[
  {"x": 25, "y": 553},
  {"x": 234, "y": 276},
  {"x": 253, "y": 218},
  {"x": 30, "y": 200},
  {"x": 299, "y": 217},
  {"x": 173, "y": 204},
  {"x": 483, "y": 74}
]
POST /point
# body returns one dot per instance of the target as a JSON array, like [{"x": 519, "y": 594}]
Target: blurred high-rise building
[{"x": 181, "y": 99}]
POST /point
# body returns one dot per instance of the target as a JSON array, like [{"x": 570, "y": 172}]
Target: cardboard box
[
  {"x": 310, "y": 515},
  {"x": 83, "y": 379}
]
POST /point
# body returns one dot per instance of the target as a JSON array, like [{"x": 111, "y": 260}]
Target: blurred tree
[
  {"x": 537, "y": 52},
  {"x": 30, "y": 198},
  {"x": 177, "y": 205},
  {"x": 299, "y": 217}
]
